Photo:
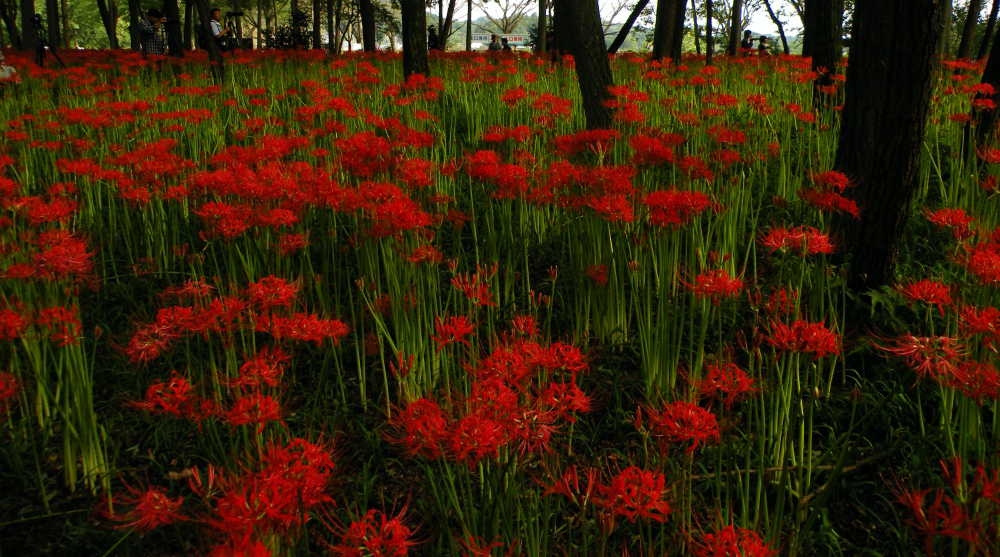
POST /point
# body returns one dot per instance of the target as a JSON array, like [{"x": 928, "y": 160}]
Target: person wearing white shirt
[{"x": 218, "y": 30}]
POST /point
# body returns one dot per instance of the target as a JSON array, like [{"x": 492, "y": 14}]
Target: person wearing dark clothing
[
  {"x": 746, "y": 45},
  {"x": 495, "y": 45},
  {"x": 506, "y": 47},
  {"x": 762, "y": 47},
  {"x": 149, "y": 33},
  {"x": 433, "y": 43}
]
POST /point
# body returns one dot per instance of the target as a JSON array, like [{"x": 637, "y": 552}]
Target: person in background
[
  {"x": 7, "y": 72},
  {"x": 495, "y": 45},
  {"x": 218, "y": 31},
  {"x": 149, "y": 33},
  {"x": 762, "y": 47},
  {"x": 433, "y": 43},
  {"x": 746, "y": 45},
  {"x": 506, "y": 47}
]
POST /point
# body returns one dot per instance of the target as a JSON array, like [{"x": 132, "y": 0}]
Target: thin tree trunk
[
  {"x": 52, "y": 22},
  {"x": 189, "y": 24},
  {"x": 627, "y": 28},
  {"x": 175, "y": 36},
  {"x": 991, "y": 23},
  {"x": 697, "y": 33},
  {"x": 11, "y": 23},
  {"x": 709, "y": 39},
  {"x": 735, "y": 27},
  {"x": 807, "y": 28},
  {"x": 677, "y": 42},
  {"x": 29, "y": 37},
  {"x": 367, "y": 12},
  {"x": 969, "y": 29},
  {"x": 986, "y": 120},
  {"x": 64, "y": 12},
  {"x": 336, "y": 27},
  {"x": 468, "y": 26},
  {"x": 827, "y": 17},
  {"x": 214, "y": 55},
  {"x": 542, "y": 34},
  {"x": 946, "y": 19},
  {"x": 134, "y": 14},
  {"x": 663, "y": 29},
  {"x": 317, "y": 19},
  {"x": 414, "y": 25},
  {"x": 582, "y": 18},
  {"x": 109, "y": 26},
  {"x": 330, "y": 7},
  {"x": 779, "y": 25},
  {"x": 445, "y": 31},
  {"x": 889, "y": 82}
]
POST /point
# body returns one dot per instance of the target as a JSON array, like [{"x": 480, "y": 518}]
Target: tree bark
[
  {"x": 735, "y": 27},
  {"x": 468, "y": 26},
  {"x": 10, "y": 22},
  {"x": 542, "y": 31},
  {"x": 827, "y": 18},
  {"x": 986, "y": 120},
  {"x": 317, "y": 20},
  {"x": 709, "y": 40},
  {"x": 969, "y": 29},
  {"x": 214, "y": 55},
  {"x": 444, "y": 33},
  {"x": 109, "y": 26},
  {"x": 367, "y": 12},
  {"x": 175, "y": 36},
  {"x": 627, "y": 28},
  {"x": 991, "y": 23},
  {"x": 52, "y": 22},
  {"x": 134, "y": 14},
  {"x": 329, "y": 25},
  {"x": 947, "y": 15},
  {"x": 893, "y": 55},
  {"x": 414, "y": 20},
  {"x": 677, "y": 42},
  {"x": 663, "y": 29},
  {"x": 779, "y": 25},
  {"x": 188, "y": 25},
  {"x": 697, "y": 32},
  {"x": 582, "y": 18},
  {"x": 29, "y": 35},
  {"x": 335, "y": 48}
]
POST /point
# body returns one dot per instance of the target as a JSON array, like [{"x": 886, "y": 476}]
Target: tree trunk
[
  {"x": 779, "y": 25},
  {"x": 214, "y": 55},
  {"x": 134, "y": 15},
  {"x": 991, "y": 23},
  {"x": 697, "y": 33},
  {"x": 969, "y": 29},
  {"x": 10, "y": 22},
  {"x": 414, "y": 27},
  {"x": 677, "y": 42},
  {"x": 827, "y": 18},
  {"x": 52, "y": 22},
  {"x": 947, "y": 17},
  {"x": 367, "y": 11},
  {"x": 709, "y": 39},
  {"x": 317, "y": 20},
  {"x": 175, "y": 36},
  {"x": 189, "y": 24},
  {"x": 627, "y": 28},
  {"x": 663, "y": 29},
  {"x": 336, "y": 27},
  {"x": 986, "y": 120},
  {"x": 468, "y": 26},
  {"x": 582, "y": 19},
  {"x": 893, "y": 54},
  {"x": 542, "y": 31},
  {"x": 29, "y": 37},
  {"x": 444, "y": 33},
  {"x": 330, "y": 7},
  {"x": 735, "y": 27},
  {"x": 109, "y": 26}
]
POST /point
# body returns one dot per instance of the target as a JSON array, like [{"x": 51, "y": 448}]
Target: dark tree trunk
[
  {"x": 893, "y": 56},
  {"x": 947, "y": 17},
  {"x": 969, "y": 29},
  {"x": 808, "y": 28},
  {"x": 582, "y": 19},
  {"x": 175, "y": 36},
  {"x": 367, "y": 12},
  {"x": 214, "y": 56},
  {"x": 189, "y": 24},
  {"x": 563, "y": 29},
  {"x": 468, "y": 26},
  {"x": 52, "y": 22},
  {"x": 991, "y": 23},
  {"x": 663, "y": 29},
  {"x": 134, "y": 14},
  {"x": 10, "y": 22},
  {"x": 627, "y": 27},
  {"x": 29, "y": 37},
  {"x": 64, "y": 12},
  {"x": 709, "y": 39},
  {"x": 414, "y": 20},
  {"x": 986, "y": 120},
  {"x": 827, "y": 22},
  {"x": 779, "y": 25},
  {"x": 542, "y": 34},
  {"x": 109, "y": 25},
  {"x": 330, "y": 7},
  {"x": 335, "y": 48},
  {"x": 317, "y": 20},
  {"x": 697, "y": 32},
  {"x": 444, "y": 33},
  {"x": 677, "y": 44},
  {"x": 735, "y": 27}
]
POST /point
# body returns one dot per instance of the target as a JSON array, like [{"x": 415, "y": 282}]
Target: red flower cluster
[
  {"x": 715, "y": 285},
  {"x": 679, "y": 422},
  {"x": 732, "y": 542},
  {"x": 804, "y": 240},
  {"x": 803, "y": 336}
]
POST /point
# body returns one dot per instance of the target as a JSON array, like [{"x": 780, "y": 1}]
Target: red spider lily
[
  {"x": 983, "y": 261},
  {"x": 302, "y": 327},
  {"x": 680, "y": 422},
  {"x": 635, "y": 493},
  {"x": 612, "y": 208},
  {"x": 598, "y": 274},
  {"x": 564, "y": 400},
  {"x": 272, "y": 291},
  {"x": 475, "y": 546},
  {"x": 732, "y": 542},
  {"x": 289, "y": 244},
  {"x": 253, "y": 409},
  {"x": 10, "y": 387},
  {"x": 524, "y": 325},
  {"x": 803, "y": 336},
  {"x": 675, "y": 208},
  {"x": 649, "y": 151},
  {"x": 568, "y": 485},
  {"x": 831, "y": 201},
  {"x": 975, "y": 321},
  {"x": 715, "y": 285},
  {"x": 452, "y": 330},
  {"x": 425, "y": 253},
  {"x": 979, "y": 381},
  {"x": 265, "y": 368},
  {"x": 63, "y": 256},
  {"x": 805, "y": 240},
  {"x": 477, "y": 292},
  {"x": 175, "y": 398},
  {"x": 144, "y": 510},
  {"x": 597, "y": 141},
  {"x": 190, "y": 288},
  {"x": 942, "y": 517},
  {"x": 474, "y": 438},
  {"x": 726, "y": 381},
  {"x": 927, "y": 291},
  {"x": 375, "y": 534},
  {"x": 956, "y": 219},
  {"x": 696, "y": 169},
  {"x": 421, "y": 428},
  {"x": 831, "y": 179},
  {"x": 934, "y": 356},
  {"x": 63, "y": 324},
  {"x": 240, "y": 548},
  {"x": 12, "y": 324}
]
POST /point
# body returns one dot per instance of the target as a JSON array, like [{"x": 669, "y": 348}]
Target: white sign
[{"x": 512, "y": 40}]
